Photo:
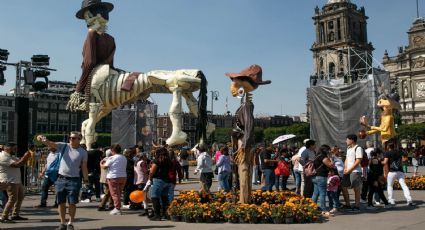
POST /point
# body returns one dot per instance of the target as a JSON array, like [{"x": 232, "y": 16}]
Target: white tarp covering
[{"x": 335, "y": 110}]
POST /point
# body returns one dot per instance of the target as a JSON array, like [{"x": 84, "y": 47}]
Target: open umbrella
[{"x": 283, "y": 138}]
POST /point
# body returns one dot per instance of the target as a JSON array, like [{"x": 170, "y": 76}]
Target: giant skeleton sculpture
[
  {"x": 242, "y": 85},
  {"x": 102, "y": 87}
]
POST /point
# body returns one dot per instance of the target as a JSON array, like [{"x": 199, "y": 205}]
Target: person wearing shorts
[
  {"x": 68, "y": 184},
  {"x": 352, "y": 172}
]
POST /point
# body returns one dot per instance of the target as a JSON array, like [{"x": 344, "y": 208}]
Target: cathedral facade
[
  {"x": 341, "y": 50},
  {"x": 407, "y": 74}
]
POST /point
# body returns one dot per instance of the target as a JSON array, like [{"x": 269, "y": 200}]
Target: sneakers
[
  {"x": 155, "y": 218},
  {"x": 18, "y": 218},
  {"x": 363, "y": 201},
  {"x": 377, "y": 203},
  {"x": 70, "y": 227},
  {"x": 40, "y": 206},
  {"x": 61, "y": 227},
  {"x": 333, "y": 211},
  {"x": 371, "y": 207},
  {"x": 355, "y": 209},
  {"x": 411, "y": 204},
  {"x": 85, "y": 201},
  {"x": 326, "y": 214},
  {"x": 388, "y": 206},
  {"x": 126, "y": 206},
  {"x": 6, "y": 221},
  {"x": 115, "y": 212}
]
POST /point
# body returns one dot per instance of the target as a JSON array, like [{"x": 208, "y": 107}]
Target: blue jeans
[
  {"x": 284, "y": 180},
  {"x": 159, "y": 188},
  {"x": 297, "y": 177},
  {"x": 67, "y": 188},
  {"x": 45, "y": 190},
  {"x": 333, "y": 200},
  {"x": 223, "y": 180},
  {"x": 269, "y": 177},
  {"x": 171, "y": 192},
  {"x": 319, "y": 183}
]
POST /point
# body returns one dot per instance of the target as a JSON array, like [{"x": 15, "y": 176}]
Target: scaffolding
[
  {"x": 358, "y": 65},
  {"x": 336, "y": 101}
]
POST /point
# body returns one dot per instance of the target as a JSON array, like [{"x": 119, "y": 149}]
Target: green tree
[
  {"x": 258, "y": 134},
  {"x": 411, "y": 132},
  {"x": 271, "y": 133},
  {"x": 300, "y": 130},
  {"x": 222, "y": 135}
]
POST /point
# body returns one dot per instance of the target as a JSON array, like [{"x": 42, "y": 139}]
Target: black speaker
[{"x": 22, "y": 124}]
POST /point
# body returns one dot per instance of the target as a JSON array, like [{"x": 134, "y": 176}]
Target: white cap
[{"x": 305, "y": 140}]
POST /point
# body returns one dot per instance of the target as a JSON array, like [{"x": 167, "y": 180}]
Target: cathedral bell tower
[{"x": 341, "y": 50}]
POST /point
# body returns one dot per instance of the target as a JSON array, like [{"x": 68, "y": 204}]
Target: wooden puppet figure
[{"x": 242, "y": 85}]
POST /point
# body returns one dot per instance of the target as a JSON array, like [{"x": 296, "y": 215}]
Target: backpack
[
  {"x": 52, "y": 171},
  {"x": 365, "y": 160},
  {"x": 282, "y": 169},
  {"x": 309, "y": 169}
]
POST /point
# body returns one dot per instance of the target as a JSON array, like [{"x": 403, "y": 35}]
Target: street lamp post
[{"x": 214, "y": 96}]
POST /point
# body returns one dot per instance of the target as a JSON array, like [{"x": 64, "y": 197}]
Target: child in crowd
[
  {"x": 141, "y": 173},
  {"x": 332, "y": 189}
]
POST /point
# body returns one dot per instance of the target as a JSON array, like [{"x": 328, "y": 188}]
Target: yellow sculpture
[{"x": 386, "y": 128}]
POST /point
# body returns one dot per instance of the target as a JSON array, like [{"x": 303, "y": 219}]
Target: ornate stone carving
[
  {"x": 420, "y": 89},
  {"x": 418, "y": 40},
  {"x": 419, "y": 62}
]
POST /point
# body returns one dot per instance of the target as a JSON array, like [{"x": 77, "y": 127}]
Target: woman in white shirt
[{"x": 116, "y": 176}]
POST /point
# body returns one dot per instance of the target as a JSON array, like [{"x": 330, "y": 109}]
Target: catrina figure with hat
[
  {"x": 242, "y": 85},
  {"x": 102, "y": 87},
  {"x": 99, "y": 48}
]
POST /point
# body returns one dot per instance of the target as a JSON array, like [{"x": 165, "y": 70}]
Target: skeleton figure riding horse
[{"x": 102, "y": 87}]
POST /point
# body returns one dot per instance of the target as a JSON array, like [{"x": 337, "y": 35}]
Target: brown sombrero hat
[
  {"x": 87, "y": 4},
  {"x": 253, "y": 73}
]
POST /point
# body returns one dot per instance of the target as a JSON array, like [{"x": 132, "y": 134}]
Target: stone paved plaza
[{"x": 400, "y": 217}]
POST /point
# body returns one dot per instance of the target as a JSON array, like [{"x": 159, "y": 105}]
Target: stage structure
[{"x": 135, "y": 124}]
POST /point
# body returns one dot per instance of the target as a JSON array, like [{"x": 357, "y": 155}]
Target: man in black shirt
[
  {"x": 94, "y": 156},
  {"x": 392, "y": 162},
  {"x": 267, "y": 168}
]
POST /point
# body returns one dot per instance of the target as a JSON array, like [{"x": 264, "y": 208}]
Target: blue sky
[{"x": 216, "y": 36}]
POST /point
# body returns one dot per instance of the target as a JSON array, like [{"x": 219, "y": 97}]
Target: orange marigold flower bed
[
  {"x": 266, "y": 207},
  {"x": 414, "y": 183}
]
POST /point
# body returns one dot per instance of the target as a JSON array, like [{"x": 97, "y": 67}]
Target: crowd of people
[
  {"x": 325, "y": 172},
  {"x": 109, "y": 175}
]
